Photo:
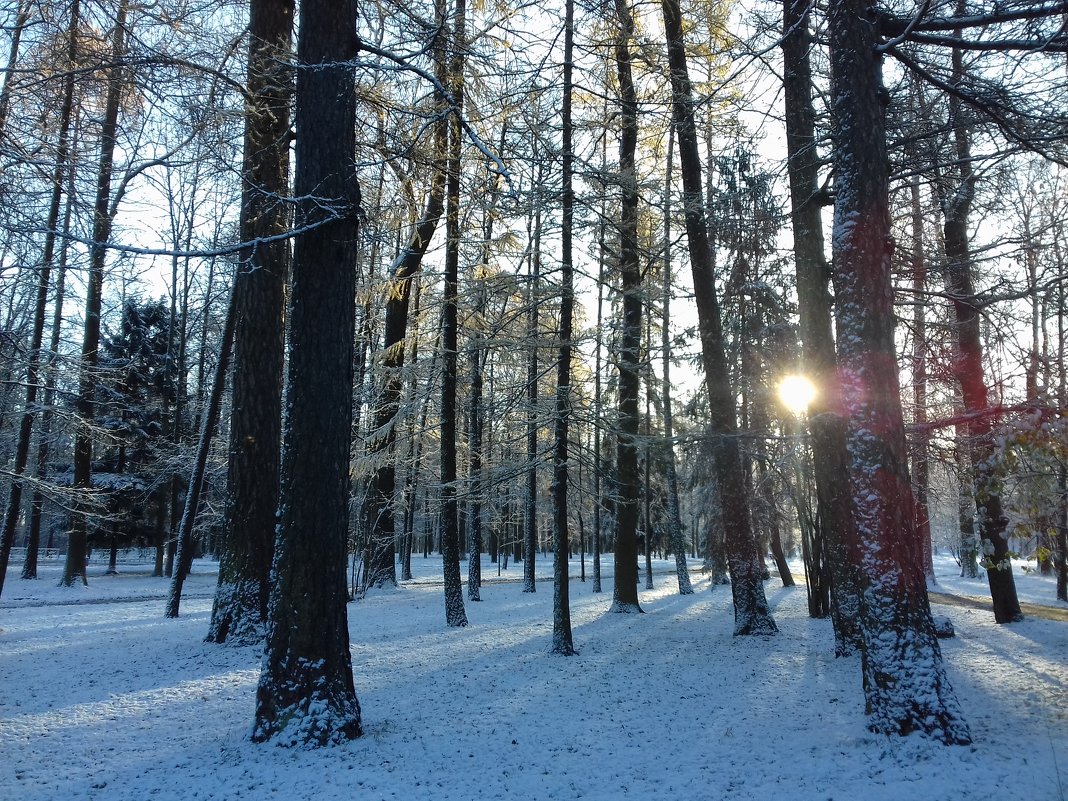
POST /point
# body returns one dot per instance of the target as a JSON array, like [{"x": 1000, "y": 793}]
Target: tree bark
[
  {"x": 240, "y": 607},
  {"x": 751, "y": 614},
  {"x": 563, "y": 642},
  {"x": 306, "y": 695},
  {"x": 450, "y": 534},
  {"x": 834, "y": 522},
  {"x": 627, "y": 484},
  {"x": 103, "y": 218},
  {"x": 897, "y": 633}
]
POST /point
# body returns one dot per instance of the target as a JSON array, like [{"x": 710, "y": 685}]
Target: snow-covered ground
[{"x": 103, "y": 698}]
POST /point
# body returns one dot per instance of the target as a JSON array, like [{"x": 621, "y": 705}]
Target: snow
[{"x": 104, "y": 698}]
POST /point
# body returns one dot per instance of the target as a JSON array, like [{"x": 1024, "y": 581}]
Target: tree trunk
[
  {"x": 381, "y": 569},
  {"x": 306, "y": 695},
  {"x": 44, "y": 436},
  {"x": 894, "y": 617},
  {"x": 920, "y": 446},
  {"x": 184, "y": 545},
  {"x": 674, "y": 513},
  {"x": 751, "y": 614},
  {"x": 240, "y": 607},
  {"x": 968, "y": 367},
  {"x": 450, "y": 535},
  {"x": 530, "y": 527},
  {"x": 74, "y": 567},
  {"x": 833, "y": 520},
  {"x": 33, "y": 370},
  {"x": 563, "y": 643},
  {"x": 627, "y": 481}
]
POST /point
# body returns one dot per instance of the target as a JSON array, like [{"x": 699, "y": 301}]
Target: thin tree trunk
[
  {"x": 920, "y": 443},
  {"x": 183, "y": 555},
  {"x": 990, "y": 516},
  {"x": 530, "y": 527},
  {"x": 627, "y": 490},
  {"x": 74, "y": 567},
  {"x": 563, "y": 643},
  {"x": 751, "y": 614},
  {"x": 381, "y": 570},
  {"x": 450, "y": 535},
  {"x": 33, "y": 370},
  {"x": 674, "y": 512},
  {"x": 44, "y": 436}
]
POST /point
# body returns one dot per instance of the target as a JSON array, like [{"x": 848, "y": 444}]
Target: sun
[{"x": 796, "y": 392}]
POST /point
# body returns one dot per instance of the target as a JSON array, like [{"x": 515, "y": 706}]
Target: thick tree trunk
[
  {"x": 833, "y": 520},
  {"x": 240, "y": 607},
  {"x": 306, "y": 694},
  {"x": 751, "y": 614},
  {"x": 627, "y": 482},
  {"x": 895, "y": 619}
]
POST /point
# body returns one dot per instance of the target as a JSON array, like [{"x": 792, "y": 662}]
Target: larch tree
[
  {"x": 403, "y": 272},
  {"x": 826, "y": 421},
  {"x": 455, "y": 615},
  {"x": 751, "y": 613},
  {"x": 240, "y": 607},
  {"x": 306, "y": 694},
  {"x": 674, "y": 511},
  {"x": 627, "y": 487},
  {"x": 906, "y": 688},
  {"x": 563, "y": 643},
  {"x": 74, "y": 568},
  {"x": 44, "y": 272}
]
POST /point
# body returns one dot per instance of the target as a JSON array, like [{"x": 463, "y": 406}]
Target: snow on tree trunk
[
  {"x": 905, "y": 684},
  {"x": 833, "y": 520},
  {"x": 306, "y": 695}
]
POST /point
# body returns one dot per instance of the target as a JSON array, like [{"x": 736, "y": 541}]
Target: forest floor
[{"x": 101, "y": 697}]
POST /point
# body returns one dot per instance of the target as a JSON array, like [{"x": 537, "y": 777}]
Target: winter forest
[{"x": 312, "y": 309}]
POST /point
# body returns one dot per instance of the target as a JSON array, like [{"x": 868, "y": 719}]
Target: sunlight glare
[{"x": 796, "y": 392}]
